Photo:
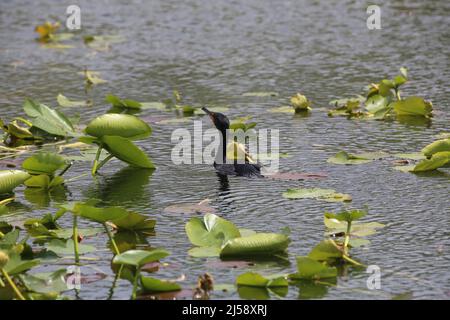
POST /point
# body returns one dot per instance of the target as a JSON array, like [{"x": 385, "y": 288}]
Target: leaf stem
[
  {"x": 102, "y": 163},
  {"x": 136, "y": 276},
  {"x": 347, "y": 237},
  {"x": 75, "y": 239},
  {"x": 65, "y": 169},
  {"x": 97, "y": 156},
  {"x": 345, "y": 257},
  {"x": 11, "y": 283},
  {"x": 113, "y": 243}
]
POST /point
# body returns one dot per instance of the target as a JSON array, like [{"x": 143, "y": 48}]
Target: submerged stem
[
  {"x": 114, "y": 245},
  {"x": 97, "y": 156},
  {"x": 347, "y": 237},
  {"x": 75, "y": 239},
  {"x": 12, "y": 284}
]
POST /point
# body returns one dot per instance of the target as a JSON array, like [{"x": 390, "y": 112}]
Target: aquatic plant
[
  {"x": 114, "y": 133},
  {"x": 300, "y": 103},
  {"x": 215, "y": 236}
]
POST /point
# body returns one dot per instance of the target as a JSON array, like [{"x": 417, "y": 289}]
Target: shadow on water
[{"x": 126, "y": 186}]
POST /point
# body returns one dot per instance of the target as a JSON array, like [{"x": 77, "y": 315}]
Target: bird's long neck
[{"x": 223, "y": 145}]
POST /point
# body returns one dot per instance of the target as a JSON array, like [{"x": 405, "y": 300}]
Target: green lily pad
[
  {"x": 325, "y": 251},
  {"x": 343, "y": 157},
  {"x": 100, "y": 215},
  {"x": 123, "y": 125},
  {"x": 210, "y": 231},
  {"x": 10, "y": 179},
  {"x": 44, "y": 162},
  {"x": 282, "y": 109},
  {"x": 44, "y": 181},
  {"x": 411, "y": 156},
  {"x": 329, "y": 195},
  {"x": 66, "y": 247},
  {"x": 347, "y": 216},
  {"x": 259, "y": 244},
  {"x": 139, "y": 258},
  {"x": 253, "y": 279},
  {"x": 135, "y": 222},
  {"x": 437, "y": 160},
  {"x": 47, "y": 119},
  {"x": 18, "y": 265},
  {"x": 125, "y": 103},
  {"x": 204, "y": 252},
  {"x": 312, "y": 269},
  {"x": 150, "y": 285},
  {"x": 63, "y": 101},
  {"x": 436, "y": 146},
  {"x": 48, "y": 282},
  {"x": 127, "y": 151},
  {"x": 412, "y": 106},
  {"x": 153, "y": 105}
]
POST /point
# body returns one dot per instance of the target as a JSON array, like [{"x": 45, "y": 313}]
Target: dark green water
[{"x": 213, "y": 52}]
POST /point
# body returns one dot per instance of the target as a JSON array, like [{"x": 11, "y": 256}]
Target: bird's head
[{"x": 220, "y": 120}]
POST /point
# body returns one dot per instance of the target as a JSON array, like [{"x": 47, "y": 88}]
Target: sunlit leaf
[
  {"x": 138, "y": 258},
  {"x": 436, "y": 146},
  {"x": 44, "y": 162},
  {"x": 63, "y": 101},
  {"x": 114, "y": 124},
  {"x": 10, "y": 179},
  {"x": 308, "y": 268},
  {"x": 260, "y": 244},
  {"x": 329, "y": 195},
  {"x": 127, "y": 151},
  {"x": 150, "y": 284},
  {"x": 413, "y": 106}
]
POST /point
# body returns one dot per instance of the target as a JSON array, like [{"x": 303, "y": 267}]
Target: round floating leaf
[
  {"x": 347, "y": 216},
  {"x": 343, "y": 157},
  {"x": 47, "y": 119},
  {"x": 127, "y": 151},
  {"x": 66, "y": 247},
  {"x": 312, "y": 269},
  {"x": 134, "y": 221},
  {"x": 100, "y": 215},
  {"x": 329, "y": 195},
  {"x": 150, "y": 285},
  {"x": 10, "y": 179},
  {"x": 412, "y": 156},
  {"x": 138, "y": 258},
  {"x": 260, "y": 244},
  {"x": 63, "y": 101},
  {"x": 325, "y": 250},
  {"x": 204, "y": 252},
  {"x": 412, "y": 106},
  {"x": 210, "y": 231},
  {"x": 253, "y": 279},
  {"x": 16, "y": 265},
  {"x": 45, "y": 162},
  {"x": 438, "y": 160},
  {"x": 115, "y": 124},
  {"x": 436, "y": 146},
  {"x": 125, "y": 103},
  {"x": 50, "y": 283}
]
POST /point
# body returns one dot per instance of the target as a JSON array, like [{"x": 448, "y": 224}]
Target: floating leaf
[
  {"x": 190, "y": 208},
  {"x": 150, "y": 285},
  {"x": 412, "y": 106},
  {"x": 439, "y": 159},
  {"x": 134, "y": 221},
  {"x": 125, "y": 103},
  {"x": 50, "y": 283},
  {"x": 138, "y": 258},
  {"x": 343, "y": 157},
  {"x": 329, "y": 195},
  {"x": 10, "y": 179},
  {"x": 282, "y": 109},
  {"x": 436, "y": 146},
  {"x": 127, "y": 151},
  {"x": 46, "y": 29},
  {"x": 16, "y": 264},
  {"x": 47, "y": 119},
  {"x": 325, "y": 250},
  {"x": 100, "y": 215},
  {"x": 253, "y": 279},
  {"x": 312, "y": 269},
  {"x": 153, "y": 105},
  {"x": 204, "y": 252},
  {"x": 260, "y": 94},
  {"x": 44, "y": 181},
  {"x": 63, "y": 101},
  {"x": 260, "y": 244},
  {"x": 66, "y": 247},
  {"x": 346, "y": 215},
  {"x": 44, "y": 162},
  {"x": 123, "y": 125},
  {"x": 93, "y": 78},
  {"x": 210, "y": 231},
  {"x": 412, "y": 156}
]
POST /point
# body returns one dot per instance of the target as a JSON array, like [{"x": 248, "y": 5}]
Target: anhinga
[{"x": 246, "y": 169}]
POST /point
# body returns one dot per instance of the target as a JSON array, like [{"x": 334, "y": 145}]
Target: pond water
[{"x": 213, "y": 52}]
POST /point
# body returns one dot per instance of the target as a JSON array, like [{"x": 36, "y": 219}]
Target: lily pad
[
  {"x": 125, "y": 103},
  {"x": 100, "y": 215},
  {"x": 412, "y": 106},
  {"x": 436, "y": 146},
  {"x": 66, "y": 247},
  {"x": 210, "y": 231},
  {"x": 139, "y": 258},
  {"x": 325, "y": 251},
  {"x": 63, "y": 101},
  {"x": 150, "y": 285},
  {"x": 329, "y": 195},
  {"x": 123, "y": 125},
  {"x": 10, "y": 179},
  {"x": 204, "y": 252},
  {"x": 253, "y": 279},
  {"x": 312, "y": 269},
  {"x": 47, "y": 119},
  {"x": 44, "y": 162},
  {"x": 343, "y": 157},
  {"x": 260, "y": 244},
  {"x": 127, "y": 151},
  {"x": 437, "y": 160}
]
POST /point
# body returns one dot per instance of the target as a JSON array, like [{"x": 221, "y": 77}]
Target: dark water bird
[{"x": 223, "y": 168}]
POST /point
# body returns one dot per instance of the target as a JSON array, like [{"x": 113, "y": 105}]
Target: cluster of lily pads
[
  {"x": 213, "y": 236},
  {"x": 383, "y": 101}
]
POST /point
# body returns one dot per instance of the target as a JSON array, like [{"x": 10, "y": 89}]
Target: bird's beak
[{"x": 209, "y": 113}]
